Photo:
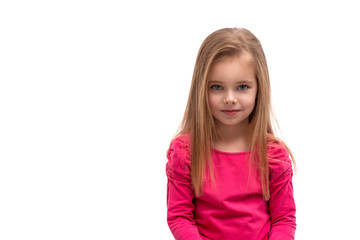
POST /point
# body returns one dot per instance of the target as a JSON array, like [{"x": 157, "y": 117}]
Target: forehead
[{"x": 233, "y": 68}]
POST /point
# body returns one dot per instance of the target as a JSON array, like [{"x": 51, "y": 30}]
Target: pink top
[{"x": 236, "y": 208}]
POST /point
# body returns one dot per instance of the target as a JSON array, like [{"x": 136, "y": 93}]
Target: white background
[{"x": 92, "y": 92}]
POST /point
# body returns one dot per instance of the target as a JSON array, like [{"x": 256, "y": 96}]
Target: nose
[{"x": 230, "y": 99}]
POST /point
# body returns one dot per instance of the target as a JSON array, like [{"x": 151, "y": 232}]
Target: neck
[{"x": 232, "y": 138}]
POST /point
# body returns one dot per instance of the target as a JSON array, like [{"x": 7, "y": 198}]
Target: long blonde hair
[{"x": 198, "y": 120}]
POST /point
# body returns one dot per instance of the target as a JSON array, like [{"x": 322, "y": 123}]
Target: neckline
[{"x": 230, "y": 153}]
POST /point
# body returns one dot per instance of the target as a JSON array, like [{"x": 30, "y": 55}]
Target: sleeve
[
  {"x": 281, "y": 203},
  {"x": 180, "y": 194}
]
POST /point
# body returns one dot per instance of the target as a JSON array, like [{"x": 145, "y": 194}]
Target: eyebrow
[{"x": 237, "y": 82}]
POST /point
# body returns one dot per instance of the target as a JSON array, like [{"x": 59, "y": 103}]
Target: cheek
[
  {"x": 249, "y": 102},
  {"x": 212, "y": 102}
]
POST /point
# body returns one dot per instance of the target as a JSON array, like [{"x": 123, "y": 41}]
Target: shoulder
[
  {"x": 180, "y": 144},
  {"x": 277, "y": 151},
  {"x": 179, "y": 148},
  {"x": 278, "y": 157},
  {"x": 178, "y": 155}
]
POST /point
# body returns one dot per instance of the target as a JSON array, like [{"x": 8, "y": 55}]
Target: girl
[{"x": 229, "y": 177}]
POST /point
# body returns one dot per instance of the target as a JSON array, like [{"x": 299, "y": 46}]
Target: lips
[{"x": 230, "y": 112}]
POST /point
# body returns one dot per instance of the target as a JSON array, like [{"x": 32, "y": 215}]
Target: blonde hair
[{"x": 198, "y": 120}]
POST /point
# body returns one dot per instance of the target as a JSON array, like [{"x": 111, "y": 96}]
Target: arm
[
  {"x": 281, "y": 204},
  {"x": 180, "y": 194}
]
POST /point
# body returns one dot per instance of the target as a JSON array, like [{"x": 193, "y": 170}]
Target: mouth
[{"x": 230, "y": 112}]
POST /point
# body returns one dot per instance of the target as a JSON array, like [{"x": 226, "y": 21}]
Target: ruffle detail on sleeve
[
  {"x": 279, "y": 160},
  {"x": 178, "y": 167}
]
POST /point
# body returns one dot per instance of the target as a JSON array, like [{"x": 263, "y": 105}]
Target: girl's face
[{"x": 232, "y": 92}]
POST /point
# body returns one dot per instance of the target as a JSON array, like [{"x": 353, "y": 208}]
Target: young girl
[{"x": 229, "y": 177}]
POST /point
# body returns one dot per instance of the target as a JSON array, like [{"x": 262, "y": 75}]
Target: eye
[
  {"x": 216, "y": 87},
  {"x": 243, "y": 87}
]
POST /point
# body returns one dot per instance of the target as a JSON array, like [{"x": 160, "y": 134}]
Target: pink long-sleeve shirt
[{"x": 235, "y": 209}]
